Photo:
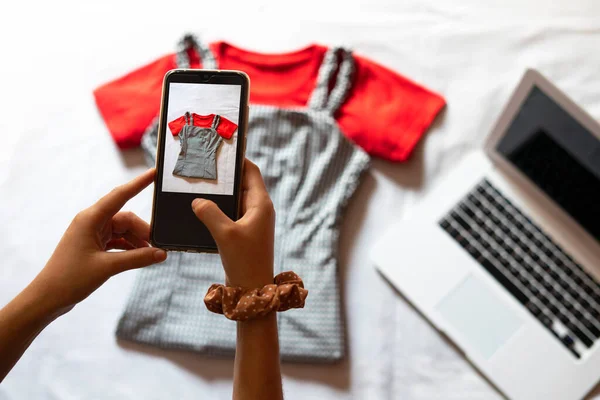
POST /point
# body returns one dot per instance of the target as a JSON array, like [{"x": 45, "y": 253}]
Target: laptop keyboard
[{"x": 531, "y": 266}]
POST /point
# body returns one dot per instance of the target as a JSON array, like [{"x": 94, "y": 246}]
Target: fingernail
[
  {"x": 160, "y": 255},
  {"x": 196, "y": 202}
]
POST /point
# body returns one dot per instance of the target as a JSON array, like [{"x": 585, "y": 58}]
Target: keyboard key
[
  {"x": 559, "y": 297},
  {"x": 525, "y": 281},
  {"x": 573, "y": 293},
  {"x": 494, "y": 253},
  {"x": 533, "y": 308},
  {"x": 546, "y": 320},
  {"x": 592, "y": 328},
  {"x": 469, "y": 212},
  {"x": 545, "y": 267},
  {"x": 494, "y": 219},
  {"x": 580, "y": 335},
  {"x": 555, "y": 260},
  {"x": 585, "y": 304},
  {"x": 576, "y": 313},
  {"x": 519, "y": 226},
  {"x": 570, "y": 343},
  {"x": 534, "y": 289},
  {"x": 547, "y": 285},
  {"x": 463, "y": 223},
  {"x": 504, "y": 281},
  {"x": 537, "y": 276}
]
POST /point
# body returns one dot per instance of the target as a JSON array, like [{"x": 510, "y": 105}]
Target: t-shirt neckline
[{"x": 303, "y": 54}]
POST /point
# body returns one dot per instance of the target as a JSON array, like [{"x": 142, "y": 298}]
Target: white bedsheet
[{"x": 56, "y": 157}]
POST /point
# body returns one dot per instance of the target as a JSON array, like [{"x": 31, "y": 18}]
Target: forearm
[
  {"x": 257, "y": 374},
  {"x": 21, "y": 321}
]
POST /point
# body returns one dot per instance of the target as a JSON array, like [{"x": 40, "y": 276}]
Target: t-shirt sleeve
[
  {"x": 386, "y": 114},
  {"x": 130, "y": 103},
  {"x": 226, "y": 128},
  {"x": 176, "y": 125}
]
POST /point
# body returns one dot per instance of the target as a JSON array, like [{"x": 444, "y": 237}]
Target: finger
[
  {"x": 128, "y": 222},
  {"x": 132, "y": 259},
  {"x": 211, "y": 215},
  {"x": 253, "y": 179},
  {"x": 111, "y": 203},
  {"x": 255, "y": 191},
  {"x": 119, "y": 244},
  {"x": 133, "y": 240}
]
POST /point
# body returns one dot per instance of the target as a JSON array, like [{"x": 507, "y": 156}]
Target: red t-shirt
[
  {"x": 225, "y": 129},
  {"x": 385, "y": 113}
]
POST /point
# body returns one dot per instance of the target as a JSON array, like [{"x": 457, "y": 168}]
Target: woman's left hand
[{"x": 81, "y": 263}]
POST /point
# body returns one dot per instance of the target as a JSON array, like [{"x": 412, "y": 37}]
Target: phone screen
[{"x": 200, "y": 153}]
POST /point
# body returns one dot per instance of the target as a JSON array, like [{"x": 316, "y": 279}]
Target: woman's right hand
[{"x": 246, "y": 245}]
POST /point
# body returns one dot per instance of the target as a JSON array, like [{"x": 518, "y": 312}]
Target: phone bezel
[{"x": 202, "y": 77}]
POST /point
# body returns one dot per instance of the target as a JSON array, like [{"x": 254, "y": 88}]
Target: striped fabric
[{"x": 310, "y": 170}]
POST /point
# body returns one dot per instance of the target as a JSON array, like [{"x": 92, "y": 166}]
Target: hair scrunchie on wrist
[{"x": 242, "y": 304}]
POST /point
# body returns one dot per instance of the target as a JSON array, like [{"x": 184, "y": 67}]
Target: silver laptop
[{"x": 503, "y": 257}]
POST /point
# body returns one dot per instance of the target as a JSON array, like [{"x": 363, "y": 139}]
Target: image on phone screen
[
  {"x": 201, "y": 139},
  {"x": 200, "y": 153}
]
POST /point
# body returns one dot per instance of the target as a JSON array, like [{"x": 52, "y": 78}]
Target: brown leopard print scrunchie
[{"x": 241, "y": 304}]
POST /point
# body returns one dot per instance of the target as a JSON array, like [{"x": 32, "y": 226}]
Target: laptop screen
[{"x": 559, "y": 155}]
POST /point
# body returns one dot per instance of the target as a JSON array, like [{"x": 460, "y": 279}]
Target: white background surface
[
  {"x": 57, "y": 158},
  {"x": 223, "y": 100}
]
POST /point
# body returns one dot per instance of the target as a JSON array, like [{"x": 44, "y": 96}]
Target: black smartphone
[{"x": 200, "y": 153}]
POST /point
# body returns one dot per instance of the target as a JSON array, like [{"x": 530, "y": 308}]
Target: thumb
[
  {"x": 211, "y": 215},
  {"x": 136, "y": 258}
]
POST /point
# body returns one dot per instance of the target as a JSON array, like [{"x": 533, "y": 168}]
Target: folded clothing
[{"x": 311, "y": 170}]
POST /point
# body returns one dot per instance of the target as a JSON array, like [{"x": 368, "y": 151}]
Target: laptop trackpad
[{"x": 476, "y": 313}]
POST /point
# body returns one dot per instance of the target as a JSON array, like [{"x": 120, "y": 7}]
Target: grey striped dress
[
  {"x": 199, "y": 145},
  {"x": 311, "y": 170}
]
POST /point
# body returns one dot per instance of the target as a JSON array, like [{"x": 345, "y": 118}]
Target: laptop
[{"x": 503, "y": 256}]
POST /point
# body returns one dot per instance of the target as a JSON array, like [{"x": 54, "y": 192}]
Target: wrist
[
  {"x": 250, "y": 282},
  {"x": 42, "y": 301},
  {"x": 250, "y": 276},
  {"x": 32, "y": 311}
]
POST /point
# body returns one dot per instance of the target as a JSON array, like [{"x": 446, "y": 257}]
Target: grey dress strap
[
  {"x": 340, "y": 60},
  {"x": 150, "y": 136},
  {"x": 189, "y": 42},
  {"x": 216, "y": 121}
]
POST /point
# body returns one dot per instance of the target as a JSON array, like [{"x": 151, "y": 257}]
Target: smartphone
[{"x": 200, "y": 153}]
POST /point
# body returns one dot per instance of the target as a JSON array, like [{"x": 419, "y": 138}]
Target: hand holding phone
[
  {"x": 200, "y": 153},
  {"x": 246, "y": 245}
]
